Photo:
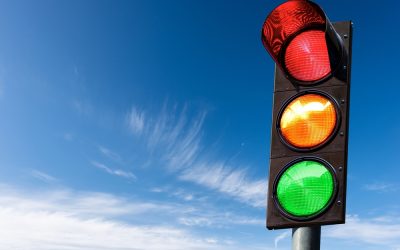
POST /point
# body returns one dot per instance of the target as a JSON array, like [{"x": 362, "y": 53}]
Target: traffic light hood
[{"x": 302, "y": 41}]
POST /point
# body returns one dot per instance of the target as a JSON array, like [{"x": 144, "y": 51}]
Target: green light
[{"x": 305, "y": 188}]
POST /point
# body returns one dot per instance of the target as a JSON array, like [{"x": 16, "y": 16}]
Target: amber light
[{"x": 308, "y": 121}]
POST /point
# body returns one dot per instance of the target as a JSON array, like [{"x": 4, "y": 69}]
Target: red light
[{"x": 306, "y": 56}]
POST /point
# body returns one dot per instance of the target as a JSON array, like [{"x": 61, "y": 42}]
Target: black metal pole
[{"x": 306, "y": 238}]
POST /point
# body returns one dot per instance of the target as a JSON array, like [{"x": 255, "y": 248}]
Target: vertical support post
[{"x": 306, "y": 238}]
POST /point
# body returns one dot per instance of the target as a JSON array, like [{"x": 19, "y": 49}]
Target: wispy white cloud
[
  {"x": 81, "y": 204},
  {"x": 110, "y": 154},
  {"x": 176, "y": 135},
  {"x": 43, "y": 222},
  {"x": 117, "y": 172},
  {"x": 184, "y": 147},
  {"x": 370, "y": 231},
  {"x": 157, "y": 190},
  {"x": 180, "y": 193},
  {"x": 280, "y": 237},
  {"x": 228, "y": 181},
  {"x": 66, "y": 219},
  {"x": 177, "y": 138},
  {"x": 382, "y": 187},
  {"x": 136, "y": 120},
  {"x": 201, "y": 214},
  {"x": 196, "y": 221},
  {"x": 43, "y": 176},
  {"x": 122, "y": 208},
  {"x": 218, "y": 220}
]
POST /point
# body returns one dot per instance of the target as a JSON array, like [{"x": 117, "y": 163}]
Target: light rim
[
  {"x": 328, "y": 166},
  {"x": 327, "y": 140}
]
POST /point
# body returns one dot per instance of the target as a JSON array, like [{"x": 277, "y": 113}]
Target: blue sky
[{"x": 145, "y": 125}]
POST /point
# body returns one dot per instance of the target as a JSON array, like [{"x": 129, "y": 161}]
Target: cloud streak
[
  {"x": 176, "y": 138},
  {"x": 382, "y": 187},
  {"x": 224, "y": 179},
  {"x": 281, "y": 237},
  {"x": 65, "y": 219},
  {"x": 370, "y": 231},
  {"x": 110, "y": 154},
  {"x": 39, "y": 230},
  {"x": 136, "y": 121},
  {"x": 116, "y": 172},
  {"x": 43, "y": 176}
]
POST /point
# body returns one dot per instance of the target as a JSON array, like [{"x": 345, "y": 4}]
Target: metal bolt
[
  {"x": 345, "y": 36},
  {"x": 344, "y": 67},
  {"x": 339, "y": 203},
  {"x": 340, "y": 169},
  {"x": 341, "y": 134},
  {"x": 342, "y": 101}
]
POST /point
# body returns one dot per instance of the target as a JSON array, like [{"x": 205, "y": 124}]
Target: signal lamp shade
[
  {"x": 302, "y": 41},
  {"x": 308, "y": 121},
  {"x": 305, "y": 189}
]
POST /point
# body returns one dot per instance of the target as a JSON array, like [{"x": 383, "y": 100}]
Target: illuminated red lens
[{"x": 307, "y": 58}]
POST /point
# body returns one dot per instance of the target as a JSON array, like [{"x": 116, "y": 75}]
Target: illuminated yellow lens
[{"x": 308, "y": 121}]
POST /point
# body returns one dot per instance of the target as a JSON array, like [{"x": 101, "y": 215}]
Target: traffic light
[{"x": 308, "y": 161}]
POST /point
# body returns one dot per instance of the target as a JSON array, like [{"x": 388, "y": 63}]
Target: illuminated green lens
[{"x": 305, "y": 188}]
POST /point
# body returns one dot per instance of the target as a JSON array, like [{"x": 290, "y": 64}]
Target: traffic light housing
[{"x": 308, "y": 161}]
